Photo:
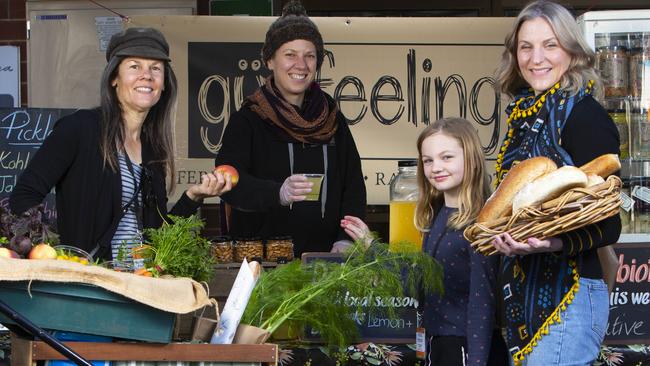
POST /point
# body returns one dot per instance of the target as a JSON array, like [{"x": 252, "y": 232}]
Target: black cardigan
[
  {"x": 262, "y": 159},
  {"x": 589, "y": 133},
  {"x": 88, "y": 194}
]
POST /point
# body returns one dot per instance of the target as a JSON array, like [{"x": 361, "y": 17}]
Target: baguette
[
  {"x": 549, "y": 186},
  {"x": 594, "y": 179},
  {"x": 604, "y": 165},
  {"x": 500, "y": 203}
]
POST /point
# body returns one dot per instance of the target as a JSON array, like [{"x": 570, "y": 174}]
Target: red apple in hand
[
  {"x": 42, "y": 251},
  {"x": 8, "y": 253},
  {"x": 228, "y": 170}
]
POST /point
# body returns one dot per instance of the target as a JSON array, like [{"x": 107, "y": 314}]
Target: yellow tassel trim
[{"x": 552, "y": 319}]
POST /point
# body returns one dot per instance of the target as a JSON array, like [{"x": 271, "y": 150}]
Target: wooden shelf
[{"x": 25, "y": 352}]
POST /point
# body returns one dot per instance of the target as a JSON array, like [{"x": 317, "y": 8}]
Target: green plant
[
  {"x": 176, "y": 248},
  {"x": 313, "y": 294}
]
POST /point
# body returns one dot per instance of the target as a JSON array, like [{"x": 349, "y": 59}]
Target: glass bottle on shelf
[
  {"x": 613, "y": 63},
  {"x": 403, "y": 199},
  {"x": 616, "y": 107}
]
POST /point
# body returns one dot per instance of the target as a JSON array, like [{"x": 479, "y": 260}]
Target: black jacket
[
  {"x": 262, "y": 159},
  {"x": 88, "y": 194}
]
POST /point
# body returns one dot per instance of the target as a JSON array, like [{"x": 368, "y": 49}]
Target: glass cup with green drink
[{"x": 317, "y": 180}]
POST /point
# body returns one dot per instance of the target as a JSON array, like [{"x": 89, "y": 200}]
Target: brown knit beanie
[{"x": 293, "y": 24}]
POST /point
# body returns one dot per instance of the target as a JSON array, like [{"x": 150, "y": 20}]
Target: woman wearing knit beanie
[{"x": 288, "y": 128}]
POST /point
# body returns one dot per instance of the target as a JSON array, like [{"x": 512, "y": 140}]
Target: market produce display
[
  {"x": 313, "y": 294},
  {"x": 535, "y": 200}
]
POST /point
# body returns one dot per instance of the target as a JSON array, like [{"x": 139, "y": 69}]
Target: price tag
[
  {"x": 627, "y": 203},
  {"x": 642, "y": 193},
  {"x": 420, "y": 343}
]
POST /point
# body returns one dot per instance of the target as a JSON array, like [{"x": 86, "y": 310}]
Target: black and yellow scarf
[{"x": 536, "y": 288}]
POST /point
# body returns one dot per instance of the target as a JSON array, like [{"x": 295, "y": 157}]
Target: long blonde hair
[
  {"x": 475, "y": 187},
  {"x": 566, "y": 30}
]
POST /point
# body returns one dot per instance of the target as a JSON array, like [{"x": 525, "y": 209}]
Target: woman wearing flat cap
[
  {"x": 287, "y": 128},
  {"x": 109, "y": 164}
]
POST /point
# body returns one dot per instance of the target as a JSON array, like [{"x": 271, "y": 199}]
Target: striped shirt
[{"x": 127, "y": 234}]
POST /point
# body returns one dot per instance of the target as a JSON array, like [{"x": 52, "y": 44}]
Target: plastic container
[
  {"x": 78, "y": 337},
  {"x": 222, "y": 249},
  {"x": 614, "y": 68},
  {"x": 87, "y": 309},
  {"x": 403, "y": 198},
  {"x": 279, "y": 249},
  {"x": 250, "y": 248},
  {"x": 619, "y": 116},
  {"x": 640, "y": 134}
]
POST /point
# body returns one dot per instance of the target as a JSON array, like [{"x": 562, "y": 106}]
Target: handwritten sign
[
  {"x": 630, "y": 299},
  {"x": 22, "y": 131},
  {"x": 376, "y": 327}
]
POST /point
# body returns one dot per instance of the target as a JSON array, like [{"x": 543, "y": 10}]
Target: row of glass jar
[
  {"x": 624, "y": 63},
  {"x": 229, "y": 250},
  {"x": 633, "y": 123}
]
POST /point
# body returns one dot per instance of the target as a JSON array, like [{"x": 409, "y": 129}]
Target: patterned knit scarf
[
  {"x": 537, "y": 288},
  {"x": 314, "y": 123}
]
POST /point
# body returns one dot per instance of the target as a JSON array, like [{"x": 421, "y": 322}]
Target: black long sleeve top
[
  {"x": 88, "y": 193},
  {"x": 589, "y": 133}
]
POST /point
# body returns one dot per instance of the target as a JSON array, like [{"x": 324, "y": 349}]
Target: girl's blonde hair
[
  {"x": 566, "y": 30},
  {"x": 475, "y": 187}
]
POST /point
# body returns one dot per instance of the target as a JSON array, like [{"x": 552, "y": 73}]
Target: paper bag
[{"x": 248, "y": 334}]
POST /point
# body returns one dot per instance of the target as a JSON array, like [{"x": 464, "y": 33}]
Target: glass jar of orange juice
[{"x": 403, "y": 236}]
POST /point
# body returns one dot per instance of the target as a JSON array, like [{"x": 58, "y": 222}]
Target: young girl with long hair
[{"x": 453, "y": 185}]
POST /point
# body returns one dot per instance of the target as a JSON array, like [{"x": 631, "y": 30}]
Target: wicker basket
[{"x": 575, "y": 208}]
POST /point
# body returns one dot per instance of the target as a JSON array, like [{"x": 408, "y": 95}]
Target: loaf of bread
[
  {"x": 500, "y": 203},
  {"x": 594, "y": 179},
  {"x": 604, "y": 165},
  {"x": 549, "y": 186}
]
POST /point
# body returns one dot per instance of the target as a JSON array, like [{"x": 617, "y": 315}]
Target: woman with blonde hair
[{"x": 555, "y": 301}]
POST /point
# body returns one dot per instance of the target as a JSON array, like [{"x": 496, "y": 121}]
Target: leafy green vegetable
[
  {"x": 313, "y": 294},
  {"x": 178, "y": 249}
]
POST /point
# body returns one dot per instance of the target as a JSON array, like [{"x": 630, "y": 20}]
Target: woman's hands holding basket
[
  {"x": 506, "y": 245},
  {"x": 548, "y": 201}
]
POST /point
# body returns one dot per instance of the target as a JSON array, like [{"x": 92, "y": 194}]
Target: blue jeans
[{"x": 576, "y": 340}]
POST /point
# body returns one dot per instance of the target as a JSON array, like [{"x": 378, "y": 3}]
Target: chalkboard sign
[
  {"x": 22, "y": 131},
  {"x": 376, "y": 327},
  {"x": 629, "y": 301}
]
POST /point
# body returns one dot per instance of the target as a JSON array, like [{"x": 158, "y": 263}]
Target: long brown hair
[
  {"x": 475, "y": 187},
  {"x": 581, "y": 68},
  {"x": 157, "y": 129}
]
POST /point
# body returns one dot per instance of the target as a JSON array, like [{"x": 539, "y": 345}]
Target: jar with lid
[
  {"x": 250, "y": 248},
  {"x": 222, "y": 249},
  {"x": 639, "y": 66},
  {"x": 403, "y": 199},
  {"x": 619, "y": 116},
  {"x": 614, "y": 66},
  {"x": 279, "y": 249},
  {"x": 640, "y": 134}
]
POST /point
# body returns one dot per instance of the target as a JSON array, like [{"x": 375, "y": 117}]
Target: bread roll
[
  {"x": 500, "y": 203},
  {"x": 549, "y": 186},
  {"x": 594, "y": 179},
  {"x": 604, "y": 165}
]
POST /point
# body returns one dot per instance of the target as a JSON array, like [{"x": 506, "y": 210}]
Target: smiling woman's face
[
  {"x": 294, "y": 69},
  {"x": 139, "y": 83},
  {"x": 542, "y": 60}
]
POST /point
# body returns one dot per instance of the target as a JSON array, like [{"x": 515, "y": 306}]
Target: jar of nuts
[
  {"x": 279, "y": 249},
  {"x": 222, "y": 249},
  {"x": 249, "y": 248}
]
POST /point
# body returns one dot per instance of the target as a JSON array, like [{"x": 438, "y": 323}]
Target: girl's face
[
  {"x": 139, "y": 83},
  {"x": 542, "y": 61},
  {"x": 444, "y": 165},
  {"x": 294, "y": 69}
]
